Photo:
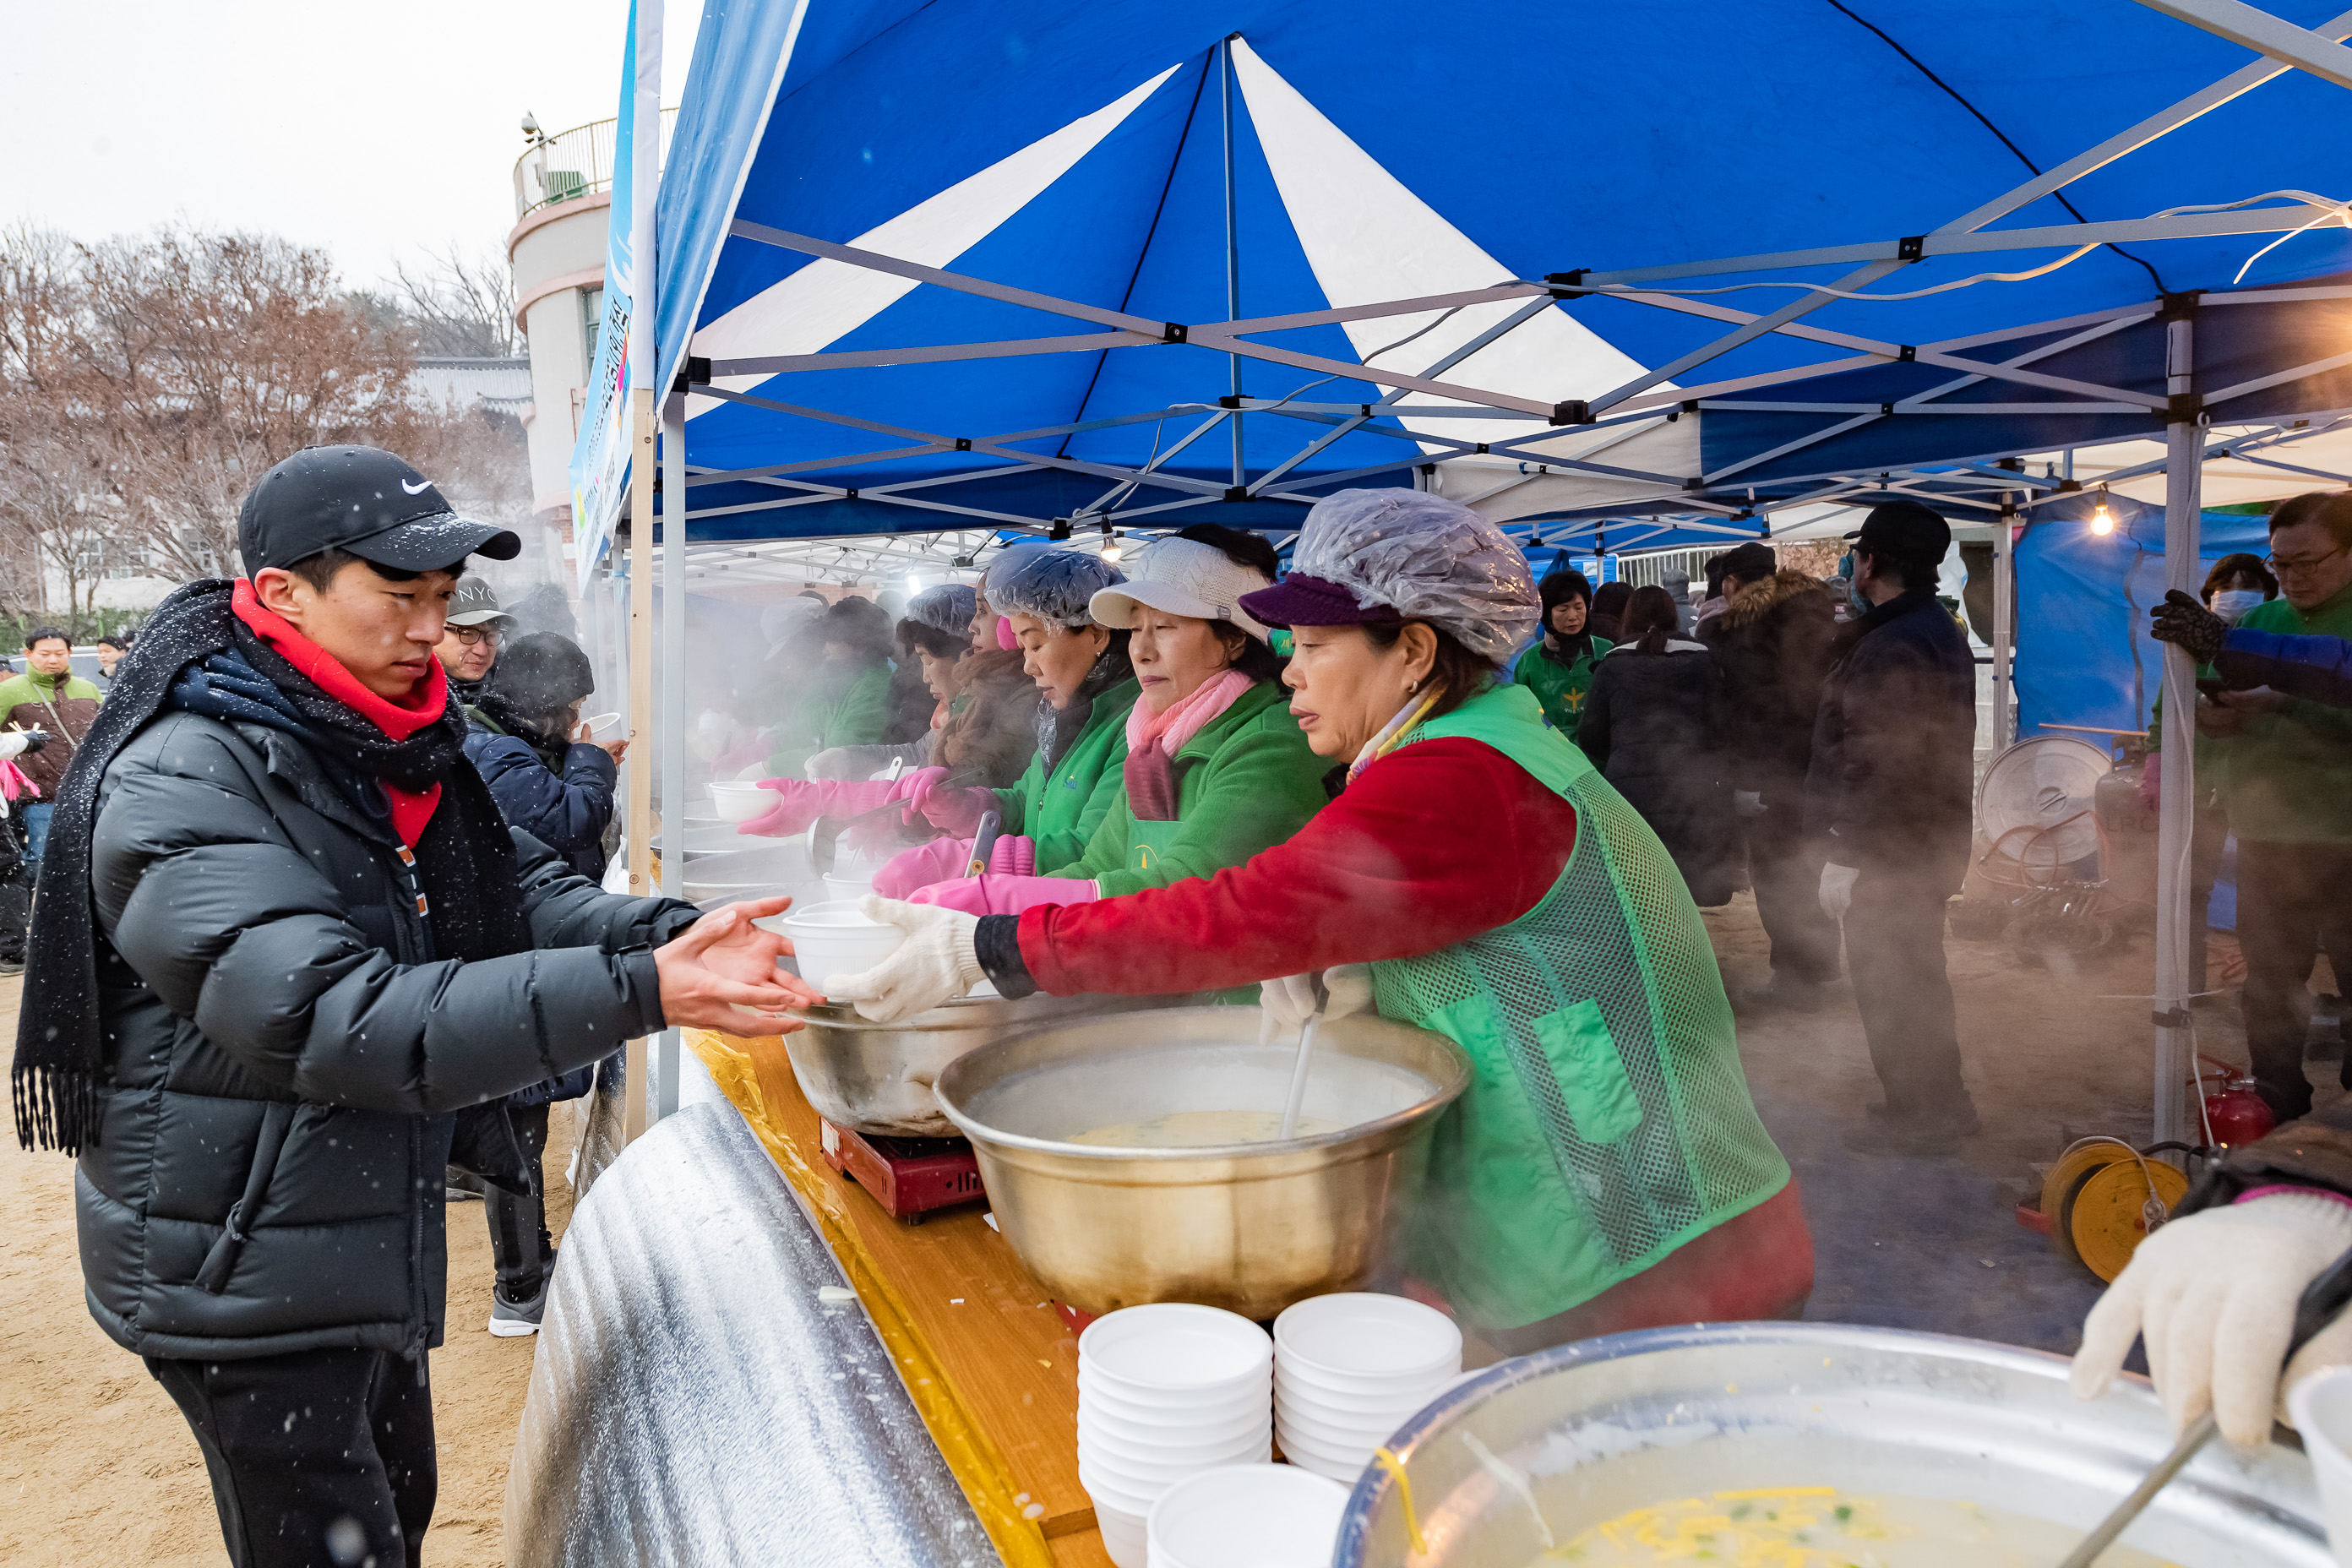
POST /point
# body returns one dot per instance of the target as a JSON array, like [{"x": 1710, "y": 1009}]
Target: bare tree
[{"x": 458, "y": 307}]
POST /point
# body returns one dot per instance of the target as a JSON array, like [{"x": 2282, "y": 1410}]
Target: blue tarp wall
[{"x": 2084, "y": 655}]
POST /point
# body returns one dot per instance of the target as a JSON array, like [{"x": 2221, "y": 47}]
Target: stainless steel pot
[
  {"x": 1601, "y": 1426},
  {"x": 878, "y": 1078},
  {"x": 1252, "y": 1227}
]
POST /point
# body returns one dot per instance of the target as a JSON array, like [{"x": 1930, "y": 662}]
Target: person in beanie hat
[
  {"x": 1889, "y": 791},
  {"x": 1559, "y": 668},
  {"x": 290, "y": 960},
  {"x": 470, "y": 637}
]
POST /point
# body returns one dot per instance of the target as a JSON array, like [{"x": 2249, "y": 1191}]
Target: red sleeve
[{"x": 1435, "y": 843}]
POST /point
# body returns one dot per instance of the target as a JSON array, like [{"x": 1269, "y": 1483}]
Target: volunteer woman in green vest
[
  {"x": 1559, "y": 667},
  {"x": 1215, "y": 770},
  {"x": 1605, "y": 1170},
  {"x": 1082, "y": 672}
]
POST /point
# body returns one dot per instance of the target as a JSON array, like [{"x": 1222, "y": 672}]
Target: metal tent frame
[{"x": 1567, "y": 439}]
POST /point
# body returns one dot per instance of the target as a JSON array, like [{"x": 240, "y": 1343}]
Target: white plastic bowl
[
  {"x": 1337, "y": 1436},
  {"x": 1250, "y": 1391},
  {"x": 1382, "y": 1340},
  {"x": 1141, "y": 1453},
  {"x": 739, "y": 800},
  {"x": 603, "y": 726},
  {"x": 1123, "y": 1534},
  {"x": 1224, "y": 1418},
  {"x": 1176, "y": 1346},
  {"x": 1364, "y": 1386},
  {"x": 1267, "y": 1516},
  {"x": 2321, "y": 1406},
  {"x": 847, "y": 890},
  {"x": 1349, "y": 1404},
  {"x": 833, "y": 938},
  {"x": 1137, "y": 1492},
  {"x": 1340, "y": 1465}
]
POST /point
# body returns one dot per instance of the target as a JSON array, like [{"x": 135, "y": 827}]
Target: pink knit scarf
[{"x": 1154, "y": 739}]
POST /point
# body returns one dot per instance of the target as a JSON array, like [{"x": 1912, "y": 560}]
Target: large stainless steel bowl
[
  {"x": 1252, "y": 1227},
  {"x": 878, "y": 1078},
  {"x": 766, "y": 868},
  {"x": 1605, "y": 1426}
]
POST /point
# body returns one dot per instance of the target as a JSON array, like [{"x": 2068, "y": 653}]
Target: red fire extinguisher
[{"x": 2234, "y": 1114}]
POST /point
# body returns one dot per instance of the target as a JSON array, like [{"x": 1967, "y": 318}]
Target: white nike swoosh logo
[{"x": 417, "y": 489}]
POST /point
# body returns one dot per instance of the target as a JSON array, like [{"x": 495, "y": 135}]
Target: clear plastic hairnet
[
  {"x": 948, "y": 607},
  {"x": 1427, "y": 558},
  {"x": 1050, "y": 584}
]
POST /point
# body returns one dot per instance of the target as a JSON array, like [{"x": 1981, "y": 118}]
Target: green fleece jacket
[
  {"x": 1061, "y": 813},
  {"x": 856, "y": 717},
  {"x": 2287, "y": 776},
  {"x": 1245, "y": 782},
  {"x": 1560, "y": 688}
]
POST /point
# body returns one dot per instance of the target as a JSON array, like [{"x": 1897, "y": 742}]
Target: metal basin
[
  {"x": 878, "y": 1078},
  {"x": 1252, "y": 1227},
  {"x": 772, "y": 866},
  {"x": 1605, "y": 1426}
]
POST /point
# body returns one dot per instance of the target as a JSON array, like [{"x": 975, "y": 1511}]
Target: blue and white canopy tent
[{"x": 942, "y": 273}]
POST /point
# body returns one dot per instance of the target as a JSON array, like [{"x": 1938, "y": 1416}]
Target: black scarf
[
  {"x": 1059, "y": 729},
  {"x": 497, "y": 710},
  {"x": 194, "y": 654},
  {"x": 1567, "y": 649}
]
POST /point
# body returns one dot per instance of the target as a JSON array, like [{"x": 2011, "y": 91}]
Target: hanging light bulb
[
  {"x": 2103, "y": 522},
  {"x": 1111, "y": 546}
]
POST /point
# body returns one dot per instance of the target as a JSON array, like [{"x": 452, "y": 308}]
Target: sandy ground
[{"x": 96, "y": 1464}]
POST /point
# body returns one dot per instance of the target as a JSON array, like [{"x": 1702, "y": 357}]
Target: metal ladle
[{"x": 2322, "y": 1300}]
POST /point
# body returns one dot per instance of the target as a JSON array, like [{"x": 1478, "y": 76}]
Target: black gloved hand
[
  {"x": 35, "y": 740},
  {"x": 2181, "y": 620}
]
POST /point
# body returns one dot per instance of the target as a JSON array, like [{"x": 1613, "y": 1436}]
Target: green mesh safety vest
[{"x": 1607, "y": 1120}]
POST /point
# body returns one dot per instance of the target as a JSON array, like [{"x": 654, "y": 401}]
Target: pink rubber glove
[
  {"x": 943, "y": 859},
  {"x": 956, "y": 811},
  {"x": 799, "y": 801},
  {"x": 1003, "y": 895}
]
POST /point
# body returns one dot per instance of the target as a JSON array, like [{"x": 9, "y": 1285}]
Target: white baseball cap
[{"x": 1183, "y": 577}]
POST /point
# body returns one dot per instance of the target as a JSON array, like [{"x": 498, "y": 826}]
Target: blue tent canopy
[{"x": 858, "y": 194}]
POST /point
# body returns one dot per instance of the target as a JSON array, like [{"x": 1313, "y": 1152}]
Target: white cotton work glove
[
  {"x": 1747, "y": 803},
  {"x": 1284, "y": 1004},
  {"x": 1837, "y": 890},
  {"x": 2215, "y": 1295},
  {"x": 936, "y": 964}
]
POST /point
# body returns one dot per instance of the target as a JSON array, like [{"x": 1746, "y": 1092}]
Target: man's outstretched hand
[{"x": 720, "y": 974}]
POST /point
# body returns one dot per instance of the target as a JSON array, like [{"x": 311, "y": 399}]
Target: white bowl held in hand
[
  {"x": 603, "y": 726},
  {"x": 835, "y": 938},
  {"x": 739, "y": 800},
  {"x": 1268, "y": 1516}
]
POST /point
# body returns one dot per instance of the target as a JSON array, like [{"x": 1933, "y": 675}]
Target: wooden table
[{"x": 987, "y": 1359}]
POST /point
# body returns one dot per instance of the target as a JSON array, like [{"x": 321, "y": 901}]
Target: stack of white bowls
[
  {"x": 1266, "y": 1516},
  {"x": 1165, "y": 1392},
  {"x": 1348, "y": 1370}
]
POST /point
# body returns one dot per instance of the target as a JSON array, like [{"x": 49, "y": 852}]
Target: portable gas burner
[{"x": 907, "y": 1177}]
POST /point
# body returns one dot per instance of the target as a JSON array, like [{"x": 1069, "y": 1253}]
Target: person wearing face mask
[
  {"x": 1605, "y": 1170},
  {"x": 1215, "y": 770},
  {"x": 1086, "y": 687},
  {"x": 2236, "y": 584},
  {"x": 1559, "y": 668}
]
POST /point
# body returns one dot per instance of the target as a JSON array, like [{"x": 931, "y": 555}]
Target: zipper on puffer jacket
[
  {"x": 276, "y": 1120},
  {"x": 417, "y": 1244}
]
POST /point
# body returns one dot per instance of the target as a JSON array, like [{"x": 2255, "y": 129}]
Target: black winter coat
[
  {"x": 1772, "y": 644},
  {"x": 1649, "y": 726},
  {"x": 1893, "y": 779},
  {"x": 283, "y": 1056}
]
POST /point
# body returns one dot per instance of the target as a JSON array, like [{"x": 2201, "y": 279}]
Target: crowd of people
[{"x": 321, "y": 935}]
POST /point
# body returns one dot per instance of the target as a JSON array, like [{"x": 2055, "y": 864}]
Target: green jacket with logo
[
  {"x": 1062, "y": 813},
  {"x": 856, "y": 717},
  {"x": 2286, "y": 777},
  {"x": 1245, "y": 782},
  {"x": 64, "y": 706},
  {"x": 1560, "y": 688}
]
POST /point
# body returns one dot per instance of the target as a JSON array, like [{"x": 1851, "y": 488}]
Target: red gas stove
[{"x": 909, "y": 1177}]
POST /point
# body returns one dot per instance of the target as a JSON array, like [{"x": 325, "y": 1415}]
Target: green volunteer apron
[{"x": 1607, "y": 1120}]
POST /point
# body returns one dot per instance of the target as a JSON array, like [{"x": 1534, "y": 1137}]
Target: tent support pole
[
  {"x": 640, "y": 824},
  {"x": 671, "y": 726},
  {"x": 2004, "y": 627},
  {"x": 2183, "y": 468},
  {"x": 1233, "y": 242}
]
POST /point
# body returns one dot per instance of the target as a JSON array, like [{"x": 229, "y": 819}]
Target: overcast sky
[{"x": 374, "y": 131}]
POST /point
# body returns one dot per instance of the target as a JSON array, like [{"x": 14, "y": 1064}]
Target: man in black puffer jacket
[
  {"x": 1891, "y": 792},
  {"x": 289, "y": 955}
]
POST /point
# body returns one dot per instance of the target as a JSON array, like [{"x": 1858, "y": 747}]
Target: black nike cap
[{"x": 365, "y": 501}]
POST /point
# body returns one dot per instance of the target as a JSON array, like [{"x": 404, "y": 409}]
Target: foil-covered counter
[{"x": 694, "y": 1400}]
